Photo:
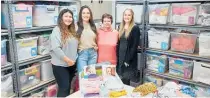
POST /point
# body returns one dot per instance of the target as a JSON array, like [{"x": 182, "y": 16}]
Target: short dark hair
[{"x": 106, "y": 16}]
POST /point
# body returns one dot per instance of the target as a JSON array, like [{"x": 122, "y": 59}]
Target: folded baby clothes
[
  {"x": 204, "y": 15},
  {"x": 184, "y": 14},
  {"x": 158, "y": 13}
]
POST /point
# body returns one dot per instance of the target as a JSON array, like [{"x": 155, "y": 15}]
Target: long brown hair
[
  {"x": 127, "y": 32},
  {"x": 80, "y": 21},
  {"x": 66, "y": 32}
]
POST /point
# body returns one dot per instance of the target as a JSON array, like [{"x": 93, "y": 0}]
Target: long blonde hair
[{"x": 127, "y": 32}]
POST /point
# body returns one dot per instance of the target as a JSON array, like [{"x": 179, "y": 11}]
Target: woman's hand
[
  {"x": 69, "y": 61},
  {"x": 96, "y": 48}
]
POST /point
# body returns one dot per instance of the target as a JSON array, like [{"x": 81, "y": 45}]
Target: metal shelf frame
[
  {"x": 169, "y": 76},
  {"x": 171, "y": 53},
  {"x": 11, "y": 33}
]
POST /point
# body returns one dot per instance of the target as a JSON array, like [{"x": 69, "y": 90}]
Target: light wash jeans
[{"x": 86, "y": 57}]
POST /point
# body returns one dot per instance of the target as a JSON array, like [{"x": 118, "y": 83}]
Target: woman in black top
[{"x": 129, "y": 35}]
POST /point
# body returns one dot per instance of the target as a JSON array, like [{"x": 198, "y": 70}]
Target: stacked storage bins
[
  {"x": 73, "y": 8},
  {"x": 29, "y": 76},
  {"x": 22, "y": 15}
]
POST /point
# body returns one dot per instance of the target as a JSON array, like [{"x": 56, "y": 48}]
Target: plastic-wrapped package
[
  {"x": 39, "y": 94},
  {"x": 22, "y": 15},
  {"x": 183, "y": 42},
  {"x": 3, "y": 53},
  {"x": 184, "y": 13},
  {"x": 204, "y": 15},
  {"x": 29, "y": 76},
  {"x": 158, "y": 39},
  {"x": 90, "y": 80},
  {"x": 204, "y": 46},
  {"x": 6, "y": 85},
  {"x": 51, "y": 91},
  {"x": 48, "y": 13},
  {"x": 46, "y": 70},
  {"x": 201, "y": 72},
  {"x": 73, "y": 8},
  {"x": 44, "y": 44},
  {"x": 158, "y": 14},
  {"x": 181, "y": 67},
  {"x": 157, "y": 63},
  {"x": 137, "y": 9}
]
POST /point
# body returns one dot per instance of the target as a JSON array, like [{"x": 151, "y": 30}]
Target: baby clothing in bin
[
  {"x": 204, "y": 15},
  {"x": 204, "y": 44},
  {"x": 185, "y": 13},
  {"x": 6, "y": 85},
  {"x": 158, "y": 14}
]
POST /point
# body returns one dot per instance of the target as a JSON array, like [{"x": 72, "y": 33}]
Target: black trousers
[{"x": 63, "y": 77}]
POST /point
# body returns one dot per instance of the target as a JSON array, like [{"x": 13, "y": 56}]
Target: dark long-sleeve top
[{"x": 133, "y": 42}]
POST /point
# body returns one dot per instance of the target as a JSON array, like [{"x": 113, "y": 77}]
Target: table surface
[{"x": 129, "y": 90}]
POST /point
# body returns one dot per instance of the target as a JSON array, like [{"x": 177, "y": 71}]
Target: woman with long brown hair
[
  {"x": 87, "y": 33},
  {"x": 64, "y": 44},
  {"x": 129, "y": 35}
]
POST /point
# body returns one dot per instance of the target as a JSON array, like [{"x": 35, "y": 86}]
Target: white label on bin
[
  {"x": 31, "y": 78},
  {"x": 33, "y": 51},
  {"x": 55, "y": 19}
]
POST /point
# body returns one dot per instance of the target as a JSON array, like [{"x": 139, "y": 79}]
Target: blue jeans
[{"x": 86, "y": 57}]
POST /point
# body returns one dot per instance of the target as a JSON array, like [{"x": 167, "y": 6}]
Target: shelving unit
[
  {"x": 169, "y": 52},
  {"x": 11, "y": 33},
  {"x": 169, "y": 76},
  {"x": 42, "y": 84}
]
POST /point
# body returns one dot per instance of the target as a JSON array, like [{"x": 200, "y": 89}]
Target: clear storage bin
[
  {"x": 180, "y": 67},
  {"x": 157, "y": 63},
  {"x": 29, "y": 76},
  {"x": 46, "y": 70},
  {"x": 45, "y": 15},
  {"x": 158, "y": 14},
  {"x": 51, "y": 91},
  {"x": 137, "y": 9},
  {"x": 44, "y": 44},
  {"x": 6, "y": 85},
  {"x": 158, "y": 39},
  {"x": 22, "y": 15},
  {"x": 204, "y": 15},
  {"x": 184, "y": 13},
  {"x": 27, "y": 48},
  {"x": 204, "y": 44},
  {"x": 183, "y": 42}
]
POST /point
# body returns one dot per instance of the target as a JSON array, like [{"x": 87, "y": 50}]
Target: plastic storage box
[
  {"x": 204, "y": 15},
  {"x": 44, "y": 44},
  {"x": 137, "y": 9},
  {"x": 73, "y": 8},
  {"x": 3, "y": 52},
  {"x": 184, "y": 13},
  {"x": 46, "y": 70},
  {"x": 158, "y": 14},
  {"x": 201, "y": 72},
  {"x": 158, "y": 39},
  {"x": 45, "y": 15},
  {"x": 181, "y": 67},
  {"x": 204, "y": 44},
  {"x": 183, "y": 42},
  {"x": 30, "y": 76},
  {"x": 22, "y": 15},
  {"x": 51, "y": 91},
  {"x": 157, "y": 63},
  {"x": 27, "y": 48},
  {"x": 6, "y": 85}
]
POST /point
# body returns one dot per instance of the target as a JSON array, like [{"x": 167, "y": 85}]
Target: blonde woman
[{"x": 129, "y": 35}]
